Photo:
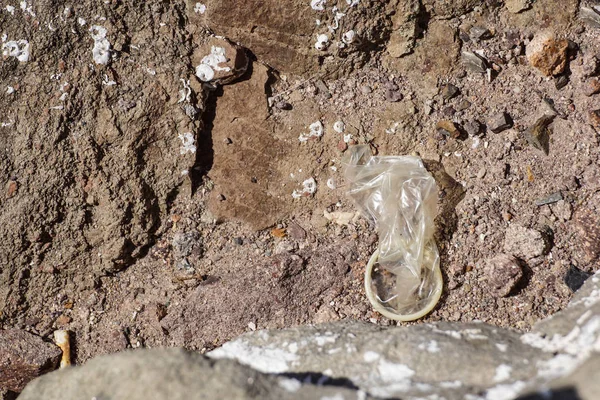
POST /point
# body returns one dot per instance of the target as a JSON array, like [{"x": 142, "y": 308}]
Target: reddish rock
[
  {"x": 503, "y": 273},
  {"x": 548, "y": 54},
  {"x": 23, "y": 357}
]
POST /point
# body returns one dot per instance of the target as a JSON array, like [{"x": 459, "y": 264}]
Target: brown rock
[
  {"x": 23, "y": 357},
  {"x": 404, "y": 29},
  {"x": 538, "y": 135},
  {"x": 592, "y": 87},
  {"x": 516, "y": 6},
  {"x": 448, "y": 128},
  {"x": 548, "y": 54},
  {"x": 586, "y": 227},
  {"x": 594, "y": 117},
  {"x": 503, "y": 273},
  {"x": 226, "y": 61},
  {"x": 243, "y": 108}
]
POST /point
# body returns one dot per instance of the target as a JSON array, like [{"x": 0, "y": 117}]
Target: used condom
[{"x": 402, "y": 279}]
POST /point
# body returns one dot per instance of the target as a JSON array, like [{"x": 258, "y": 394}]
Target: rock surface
[
  {"x": 171, "y": 374},
  {"x": 23, "y": 357},
  {"x": 348, "y": 360}
]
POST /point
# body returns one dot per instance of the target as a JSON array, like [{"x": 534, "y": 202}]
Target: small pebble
[{"x": 499, "y": 122}]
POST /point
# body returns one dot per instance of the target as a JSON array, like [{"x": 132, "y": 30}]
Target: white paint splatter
[
  {"x": 10, "y": 9},
  {"x": 81, "y": 21},
  {"x": 331, "y": 184},
  {"x": 10, "y": 90},
  {"x": 101, "y": 49},
  {"x": 187, "y": 143}
]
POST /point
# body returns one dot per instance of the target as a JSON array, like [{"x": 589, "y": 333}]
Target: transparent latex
[{"x": 403, "y": 279}]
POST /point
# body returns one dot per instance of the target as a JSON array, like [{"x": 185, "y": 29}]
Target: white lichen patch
[
  {"x": 502, "y": 347},
  {"x": 10, "y": 9},
  {"x": 331, "y": 184},
  {"x": 315, "y": 131},
  {"x": 431, "y": 346},
  {"x": 187, "y": 143},
  {"x": 371, "y": 356},
  {"x": 267, "y": 359},
  {"x": 347, "y": 138},
  {"x": 101, "y": 49},
  {"x": 502, "y": 373},
  {"x": 81, "y": 21},
  {"x": 322, "y": 42},
  {"x": 291, "y": 385},
  {"x": 205, "y": 71},
  {"x": 16, "y": 48},
  {"x": 199, "y": 8},
  {"x": 505, "y": 392}
]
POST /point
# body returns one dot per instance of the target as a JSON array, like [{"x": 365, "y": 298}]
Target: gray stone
[
  {"x": 590, "y": 16},
  {"x": 551, "y": 198},
  {"x": 499, "y": 122},
  {"x": 474, "y": 62},
  {"x": 449, "y": 360},
  {"x": 172, "y": 374},
  {"x": 479, "y": 33},
  {"x": 525, "y": 243},
  {"x": 473, "y": 128}
]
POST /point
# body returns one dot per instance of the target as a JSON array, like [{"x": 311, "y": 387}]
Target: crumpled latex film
[{"x": 399, "y": 196}]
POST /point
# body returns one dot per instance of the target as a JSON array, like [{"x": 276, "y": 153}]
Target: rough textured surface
[
  {"x": 525, "y": 243},
  {"x": 348, "y": 360},
  {"x": 503, "y": 273},
  {"x": 108, "y": 230},
  {"x": 23, "y": 357},
  {"x": 171, "y": 374}
]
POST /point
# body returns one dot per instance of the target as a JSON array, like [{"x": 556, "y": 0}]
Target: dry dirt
[{"x": 112, "y": 228}]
